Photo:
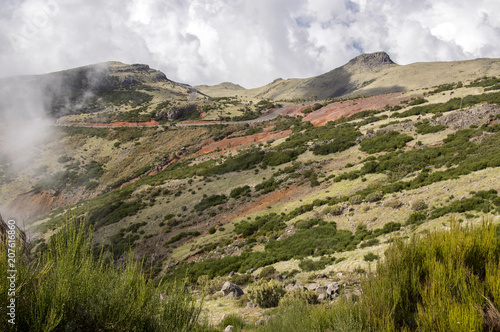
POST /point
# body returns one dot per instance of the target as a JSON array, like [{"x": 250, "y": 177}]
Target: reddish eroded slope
[
  {"x": 236, "y": 143},
  {"x": 336, "y": 110}
]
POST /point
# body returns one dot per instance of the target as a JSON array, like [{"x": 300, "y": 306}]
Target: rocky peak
[{"x": 371, "y": 60}]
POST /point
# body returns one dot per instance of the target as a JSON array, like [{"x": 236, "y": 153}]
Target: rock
[
  {"x": 231, "y": 274},
  {"x": 228, "y": 328},
  {"x": 320, "y": 289},
  {"x": 251, "y": 305},
  {"x": 332, "y": 289},
  {"x": 321, "y": 276},
  {"x": 312, "y": 286},
  {"x": 231, "y": 289},
  {"x": 250, "y": 270},
  {"x": 291, "y": 287},
  {"x": 321, "y": 297}
]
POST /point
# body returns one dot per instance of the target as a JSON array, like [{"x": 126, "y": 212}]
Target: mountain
[
  {"x": 208, "y": 187},
  {"x": 369, "y": 74}
]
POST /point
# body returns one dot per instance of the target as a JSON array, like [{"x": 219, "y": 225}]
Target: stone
[
  {"x": 229, "y": 328},
  {"x": 251, "y": 305},
  {"x": 321, "y": 297},
  {"x": 231, "y": 274},
  {"x": 231, "y": 289}
]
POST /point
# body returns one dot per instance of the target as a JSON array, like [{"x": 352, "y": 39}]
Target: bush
[
  {"x": 395, "y": 204},
  {"x": 419, "y": 205},
  {"x": 266, "y": 294},
  {"x": 416, "y": 218},
  {"x": 374, "y": 196},
  {"x": 304, "y": 295},
  {"x": 240, "y": 191},
  {"x": 267, "y": 272},
  {"x": 67, "y": 287},
  {"x": 356, "y": 199},
  {"x": 210, "y": 201},
  {"x": 370, "y": 257},
  {"x": 334, "y": 210},
  {"x": 211, "y": 230},
  {"x": 385, "y": 142}
]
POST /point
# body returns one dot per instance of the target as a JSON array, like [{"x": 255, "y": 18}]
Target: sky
[{"x": 248, "y": 42}]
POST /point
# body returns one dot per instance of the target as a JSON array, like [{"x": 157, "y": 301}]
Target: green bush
[
  {"x": 389, "y": 141},
  {"x": 304, "y": 295},
  {"x": 266, "y": 294},
  {"x": 67, "y": 287},
  {"x": 267, "y": 272},
  {"x": 356, "y": 199},
  {"x": 240, "y": 191},
  {"x": 370, "y": 257},
  {"x": 210, "y": 201},
  {"x": 416, "y": 218},
  {"x": 374, "y": 196},
  {"x": 395, "y": 204},
  {"x": 419, "y": 205}
]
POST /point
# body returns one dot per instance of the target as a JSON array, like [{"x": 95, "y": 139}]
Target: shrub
[
  {"x": 240, "y": 191},
  {"x": 356, "y": 199},
  {"x": 267, "y": 272},
  {"x": 210, "y": 201},
  {"x": 416, "y": 218},
  {"x": 370, "y": 257},
  {"x": 67, "y": 287},
  {"x": 304, "y": 295},
  {"x": 419, "y": 205},
  {"x": 335, "y": 210},
  {"x": 211, "y": 230},
  {"x": 374, "y": 196},
  {"x": 385, "y": 142},
  {"x": 266, "y": 294},
  {"x": 395, "y": 204}
]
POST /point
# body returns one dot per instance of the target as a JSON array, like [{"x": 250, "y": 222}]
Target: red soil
[
  {"x": 336, "y": 110},
  {"x": 236, "y": 143}
]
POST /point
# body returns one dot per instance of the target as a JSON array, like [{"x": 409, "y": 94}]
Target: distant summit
[{"x": 371, "y": 60}]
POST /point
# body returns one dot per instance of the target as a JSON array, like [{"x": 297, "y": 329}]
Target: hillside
[
  {"x": 305, "y": 193},
  {"x": 367, "y": 74}
]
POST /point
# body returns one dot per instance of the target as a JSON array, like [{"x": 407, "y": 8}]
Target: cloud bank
[{"x": 246, "y": 42}]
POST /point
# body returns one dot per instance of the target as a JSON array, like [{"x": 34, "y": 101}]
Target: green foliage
[
  {"x": 267, "y": 186},
  {"x": 389, "y": 141},
  {"x": 266, "y": 294},
  {"x": 419, "y": 205},
  {"x": 210, "y": 201},
  {"x": 275, "y": 158},
  {"x": 374, "y": 196},
  {"x": 340, "y": 139},
  {"x": 234, "y": 320},
  {"x": 267, "y": 272},
  {"x": 68, "y": 288},
  {"x": 181, "y": 235},
  {"x": 308, "y": 265},
  {"x": 370, "y": 257},
  {"x": 417, "y": 101},
  {"x": 304, "y": 295},
  {"x": 450, "y": 105},
  {"x": 425, "y": 128},
  {"x": 212, "y": 230},
  {"x": 356, "y": 199},
  {"x": 442, "y": 283},
  {"x": 479, "y": 202},
  {"x": 240, "y": 191},
  {"x": 416, "y": 218}
]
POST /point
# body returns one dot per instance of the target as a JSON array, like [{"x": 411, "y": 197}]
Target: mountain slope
[{"x": 370, "y": 74}]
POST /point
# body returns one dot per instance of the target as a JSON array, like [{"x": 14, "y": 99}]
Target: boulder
[
  {"x": 321, "y": 297},
  {"x": 332, "y": 290},
  {"x": 228, "y": 328},
  {"x": 231, "y": 289}
]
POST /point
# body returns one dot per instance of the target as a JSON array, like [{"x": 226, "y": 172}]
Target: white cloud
[{"x": 246, "y": 42}]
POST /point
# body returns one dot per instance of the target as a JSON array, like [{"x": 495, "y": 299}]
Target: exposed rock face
[
  {"x": 231, "y": 289},
  {"x": 371, "y": 60}
]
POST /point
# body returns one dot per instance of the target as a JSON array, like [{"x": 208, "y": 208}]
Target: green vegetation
[
  {"x": 425, "y": 128},
  {"x": 266, "y": 294},
  {"x": 67, "y": 287},
  {"x": 389, "y": 141},
  {"x": 450, "y": 105},
  {"x": 210, "y": 201}
]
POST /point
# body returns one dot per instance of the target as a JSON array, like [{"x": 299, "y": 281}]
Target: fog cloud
[{"x": 245, "y": 42}]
